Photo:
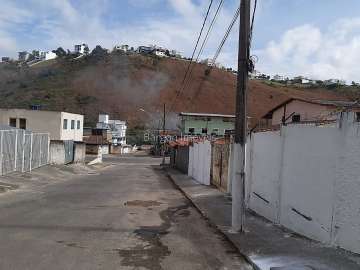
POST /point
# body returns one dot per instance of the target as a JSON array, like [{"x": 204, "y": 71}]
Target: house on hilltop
[
  {"x": 23, "y": 56},
  {"x": 81, "y": 48}
]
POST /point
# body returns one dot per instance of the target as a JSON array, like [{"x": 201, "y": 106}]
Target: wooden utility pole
[
  {"x": 238, "y": 185},
  {"x": 163, "y": 144}
]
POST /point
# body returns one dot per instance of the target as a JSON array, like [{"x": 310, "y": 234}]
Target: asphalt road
[{"x": 125, "y": 216}]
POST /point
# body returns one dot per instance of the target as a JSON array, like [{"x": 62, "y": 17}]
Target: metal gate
[
  {"x": 69, "y": 151},
  {"x": 22, "y": 150}
]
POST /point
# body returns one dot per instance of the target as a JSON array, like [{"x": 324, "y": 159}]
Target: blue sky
[{"x": 316, "y": 38}]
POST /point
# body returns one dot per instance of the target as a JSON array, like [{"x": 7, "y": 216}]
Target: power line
[
  {"x": 252, "y": 23},
  {"x": 188, "y": 81},
  {"x": 209, "y": 30},
  {"x": 236, "y": 15},
  {"x": 192, "y": 56}
]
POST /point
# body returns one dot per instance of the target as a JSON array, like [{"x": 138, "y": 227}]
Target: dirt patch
[
  {"x": 6, "y": 187},
  {"x": 150, "y": 255},
  {"x": 142, "y": 203}
]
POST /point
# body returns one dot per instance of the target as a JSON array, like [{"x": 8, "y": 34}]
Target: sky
[{"x": 315, "y": 38}]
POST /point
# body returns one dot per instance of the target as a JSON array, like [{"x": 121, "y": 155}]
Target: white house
[
  {"x": 305, "y": 81},
  {"x": 123, "y": 48},
  {"x": 174, "y": 53},
  {"x": 278, "y": 78},
  {"x": 80, "y": 48},
  {"x": 160, "y": 52},
  {"x": 23, "y": 56},
  {"x": 116, "y": 127},
  {"x": 47, "y": 55},
  {"x": 60, "y": 125}
]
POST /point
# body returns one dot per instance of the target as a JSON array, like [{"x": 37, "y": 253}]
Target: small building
[
  {"x": 305, "y": 81},
  {"x": 47, "y": 55},
  {"x": 60, "y": 125},
  {"x": 206, "y": 124},
  {"x": 210, "y": 63},
  {"x": 117, "y": 129},
  {"x": 5, "y": 59},
  {"x": 23, "y": 56},
  {"x": 174, "y": 53},
  {"x": 122, "y": 48},
  {"x": 159, "y": 52},
  {"x": 278, "y": 78},
  {"x": 332, "y": 82},
  {"x": 81, "y": 48},
  {"x": 145, "y": 49},
  {"x": 296, "y": 110}
]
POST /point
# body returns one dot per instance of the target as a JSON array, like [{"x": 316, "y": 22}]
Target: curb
[{"x": 213, "y": 224}]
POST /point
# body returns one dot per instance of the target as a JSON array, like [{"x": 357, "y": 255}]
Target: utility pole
[
  {"x": 238, "y": 185},
  {"x": 163, "y": 145}
]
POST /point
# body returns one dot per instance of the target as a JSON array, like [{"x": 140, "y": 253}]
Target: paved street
[{"x": 126, "y": 216}]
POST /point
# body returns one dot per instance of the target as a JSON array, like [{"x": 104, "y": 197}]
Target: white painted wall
[
  {"x": 308, "y": 175},
  {"x": 311, "y": 178},
  {"x": 200, "y": 162},
  {"x": 265, "y": 173},
  {"x": 70, "y": 133},
  {"x": 346, "y": 225}
]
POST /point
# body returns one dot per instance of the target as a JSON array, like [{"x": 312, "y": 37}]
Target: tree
[
  {"x": 86, "y": 50},
  {"x": 98, "y": 51},
  {"x": 60, "y": 52}
]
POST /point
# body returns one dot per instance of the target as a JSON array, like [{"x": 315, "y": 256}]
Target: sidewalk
[{"x": 266, "y": 246}]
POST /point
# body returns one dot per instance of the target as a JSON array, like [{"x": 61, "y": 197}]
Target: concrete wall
[
  {"x": 46, "y": 122},
  {"x": 182, "y": 158},
  {"x": 115, "y": 149},
  {"x": 200, "y": 161},
  {"x": 346, "y": 225},
  {"x": 79, "y": 152},
  {"x": 57, "y": 153},
  {"x": 36, "y": 121},
  {"x": 307, "y": 179},
  {"x": 265, "y": 151},
  {"x": 219, "y": 165}
]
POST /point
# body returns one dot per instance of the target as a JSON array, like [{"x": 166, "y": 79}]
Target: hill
[{"x": 123, "y": 84}]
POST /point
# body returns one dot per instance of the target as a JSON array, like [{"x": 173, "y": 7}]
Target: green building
[{"x": 206, "y": 124}]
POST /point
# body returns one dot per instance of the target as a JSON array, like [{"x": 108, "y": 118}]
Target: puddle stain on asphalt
[
  {"x": 70, "y": 244},
  {"x": 150, "y": 255},
  {"x": 142, "y": 203}
]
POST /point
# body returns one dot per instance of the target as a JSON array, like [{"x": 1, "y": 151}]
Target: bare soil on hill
[{"x": 121, "y": 85}]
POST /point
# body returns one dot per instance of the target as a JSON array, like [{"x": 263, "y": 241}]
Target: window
[
  {"x": 72, "y": 124},
  {"x": 215, "y": 131},
  {"x": 295, "y": 118},
  {"x": 12, "y": 122},
  {"x": 78, "y": 124},
  {"x": 22, "y": 123},
  {"x": 65, "y": 124},
  {"x": 204, "y": 130},
  {"x": 357, "y": 117},
  {"x": 191, "y": 130}
]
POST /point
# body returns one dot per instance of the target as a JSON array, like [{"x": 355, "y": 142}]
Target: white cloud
[{"x": 306, "y": 50}]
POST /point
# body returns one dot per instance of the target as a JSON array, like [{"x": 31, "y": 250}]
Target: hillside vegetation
[{"x": 121, "y": 85}]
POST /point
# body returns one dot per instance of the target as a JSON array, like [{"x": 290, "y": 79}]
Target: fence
[
  {"x": 22, "y": 151},
  {"x": 307, "y": 178}
]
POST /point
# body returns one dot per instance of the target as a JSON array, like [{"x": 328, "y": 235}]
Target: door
[{"x": 69, "y": 151}]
